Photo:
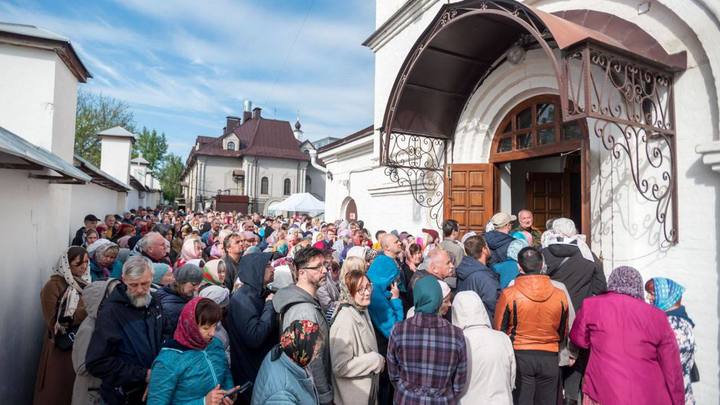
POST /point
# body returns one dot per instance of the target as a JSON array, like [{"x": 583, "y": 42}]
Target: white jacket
[{"x": 491, "y": 360}]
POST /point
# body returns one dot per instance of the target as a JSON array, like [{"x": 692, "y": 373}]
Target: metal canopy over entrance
[{"x": 609, "y": 70}]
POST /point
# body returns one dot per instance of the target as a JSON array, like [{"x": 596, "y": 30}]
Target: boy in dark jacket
[
  {"x": 251, "y": 322},
  {"x": 127, "y": 336}
]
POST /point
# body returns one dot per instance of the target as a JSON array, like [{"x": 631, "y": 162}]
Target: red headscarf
[{"x": 187, "y": 332}]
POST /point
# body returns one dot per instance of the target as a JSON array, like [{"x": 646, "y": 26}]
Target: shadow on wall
[{"x": 702, "y": 175}]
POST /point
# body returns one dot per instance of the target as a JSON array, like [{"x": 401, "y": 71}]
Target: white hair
[
  {"x": 136, "y": 266},
  {"x": 145, "y": 240}
]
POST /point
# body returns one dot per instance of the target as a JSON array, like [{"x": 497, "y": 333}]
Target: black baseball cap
[{"x": 91, "y": 217}]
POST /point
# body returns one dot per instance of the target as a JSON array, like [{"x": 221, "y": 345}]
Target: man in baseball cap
[{"x": 498, "y": 239}]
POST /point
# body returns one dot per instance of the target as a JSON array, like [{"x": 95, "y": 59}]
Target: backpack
[{"x": 86, "y": 388}]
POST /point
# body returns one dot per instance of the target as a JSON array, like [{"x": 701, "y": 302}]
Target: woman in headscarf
[
  {"x": 284, "y": 377},
  {"x": 191, "y": 250},
  {"x": 634, "y": 358},
  {"x": 491, "y": 359},
  {"x": 192, "y": 366},
  {"x": 509, "y": 269},
  {"x": 356, "y": 363},
  {"x": 444, "y": 305},
  {"x": 221, "y": 296},
  {"x": 666, "y": 295},
  {"x": 103, "y": 260},
  {"x": 426, "y": 357},
  {"x": 213, "y": 273},
  {"x": 63, "y": 311}
]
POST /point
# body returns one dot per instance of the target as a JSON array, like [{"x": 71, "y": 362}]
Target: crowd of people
[{"x": 171, "y": 307}]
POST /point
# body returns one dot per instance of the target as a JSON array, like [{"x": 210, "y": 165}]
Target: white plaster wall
[
  {"x": 317, "y": 179},
  {"x": 27, "y": 81},
  {"x": 218, "y": 175},
  {"x": 115, "y": 157},
  {"x": 91, "y": 198},
  {"x": 133, "y": 200},
  {"x": 276, "y": 170},
  {"x": 38, "y": 215},
  {"x": 64, "y": 107}
]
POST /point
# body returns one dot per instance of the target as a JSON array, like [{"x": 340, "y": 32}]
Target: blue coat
[
  {"x": 384, "y": 311},
  {"x": 97, "y": 273},
  {"x": 184, "y": 376},
  {"x": 507, "y": 270},
  {"x": 282, "y": 381},
  {"x": 498, "y": 243},
  {"x": 172, "y": 304},
  {"x": 475, "y": 276}
]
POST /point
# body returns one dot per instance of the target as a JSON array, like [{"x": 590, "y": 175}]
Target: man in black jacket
[
  {"x": 251, "y": 321},
  {"x": 570, "y": 261},
  {"x": 127, "y": 336}
]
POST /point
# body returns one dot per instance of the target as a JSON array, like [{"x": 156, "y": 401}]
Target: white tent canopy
[{"x": 300, "y": 202}]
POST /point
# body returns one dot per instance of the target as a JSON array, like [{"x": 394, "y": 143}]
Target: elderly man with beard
[{"x": 127, "y": 336}]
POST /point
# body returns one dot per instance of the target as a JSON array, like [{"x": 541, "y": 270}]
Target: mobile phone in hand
[{"x": 238, "y": 390}]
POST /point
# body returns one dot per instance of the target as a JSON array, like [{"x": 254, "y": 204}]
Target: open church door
[{"x": 469, "y": 195}]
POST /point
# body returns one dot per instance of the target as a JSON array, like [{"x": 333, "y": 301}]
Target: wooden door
[
  {"x": 469, "y": 195},
  {"x": 548, "y": 196}
]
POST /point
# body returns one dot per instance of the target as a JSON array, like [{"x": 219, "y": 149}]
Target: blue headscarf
[
  {"x": 667, "y": 292},
  {"x": 427, "y": 295}
]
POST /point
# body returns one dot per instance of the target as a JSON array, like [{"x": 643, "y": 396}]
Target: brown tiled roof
[{"x": 258, "y": 137}]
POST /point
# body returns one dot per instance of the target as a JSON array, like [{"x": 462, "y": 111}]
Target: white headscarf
[
  {"x": 99, "y": 247},
  {"x": 565, "y": 233},
  {"x": 71, "y": 298}
]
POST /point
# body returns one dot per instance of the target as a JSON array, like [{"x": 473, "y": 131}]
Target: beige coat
[{"x": 355, "y": 360}]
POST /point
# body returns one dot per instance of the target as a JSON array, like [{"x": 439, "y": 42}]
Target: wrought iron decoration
[{"x": 633, "y": 108}]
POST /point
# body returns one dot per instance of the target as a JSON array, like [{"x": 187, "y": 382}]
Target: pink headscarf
[
  {"x": 187, "y": 332},
  {"x": 188, "y": 249}
]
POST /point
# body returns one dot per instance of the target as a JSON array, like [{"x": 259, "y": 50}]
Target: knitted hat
[{"x": 220, "y": 295}]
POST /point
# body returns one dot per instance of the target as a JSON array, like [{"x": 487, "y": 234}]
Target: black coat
[
  {"x": 582, "y": 277},
  {"x": 123, "y": 346},
  {"x": 172, "y": 305},
  {"x": 251, "y": 321}
]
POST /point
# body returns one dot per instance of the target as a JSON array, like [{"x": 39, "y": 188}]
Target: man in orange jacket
[{"x": 534, "y": 314}]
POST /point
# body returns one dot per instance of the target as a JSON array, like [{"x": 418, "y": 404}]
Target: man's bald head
[
  {"x": 439, "y": 264},
  {"x": 391, "y": 245}
]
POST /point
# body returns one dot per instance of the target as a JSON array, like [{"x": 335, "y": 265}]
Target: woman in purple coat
[{"x": 634, "y": 358}]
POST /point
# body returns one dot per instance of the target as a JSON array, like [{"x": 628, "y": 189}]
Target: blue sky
[{"x": 184, "y": 65}]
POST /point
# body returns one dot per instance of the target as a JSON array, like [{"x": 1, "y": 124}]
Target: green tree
[
  {"x": 171, "y": 176},
  {"x": 152, "y": 146},
  {"x": 96, "y": 113}
]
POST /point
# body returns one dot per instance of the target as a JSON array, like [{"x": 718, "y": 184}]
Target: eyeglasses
[
  {"x": 367, "y": 288},
  {"x": 318, "y": 267}
]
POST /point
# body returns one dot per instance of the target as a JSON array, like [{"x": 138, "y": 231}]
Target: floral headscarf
[
  {"x": 667, "y": 292},
  {"x": 71, "y": 298},
  {"x": 626, "y": 280},
  {"x": 187, "y": 332},
  {"x": 298, "y": 341}
]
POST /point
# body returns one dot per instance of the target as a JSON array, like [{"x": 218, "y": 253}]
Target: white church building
[
  {"x": 603, "y": 111},
  {"x": 255, "y": 163}
]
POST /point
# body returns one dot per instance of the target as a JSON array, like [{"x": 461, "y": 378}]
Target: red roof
[{"x": 258, "y": 137}]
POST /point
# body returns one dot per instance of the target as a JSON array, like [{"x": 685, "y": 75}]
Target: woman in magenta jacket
[{"x": 634, "y": 357}]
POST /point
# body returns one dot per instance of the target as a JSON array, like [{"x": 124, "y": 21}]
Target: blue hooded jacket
[
  {"x": 498, "y": 243},
  {"x": 384, "y": 311}
]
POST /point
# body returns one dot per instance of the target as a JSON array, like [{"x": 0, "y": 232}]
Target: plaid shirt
[{"x": 427, "y": 361}]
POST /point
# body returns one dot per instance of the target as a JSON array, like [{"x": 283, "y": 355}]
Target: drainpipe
[{"x": 314, "y": 162}]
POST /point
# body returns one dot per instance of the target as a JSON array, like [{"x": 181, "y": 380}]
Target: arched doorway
[
  {"x": 540, "y": 163},
  {"x": 536, "y": 162},
  {"x": 349, "y": 209}
]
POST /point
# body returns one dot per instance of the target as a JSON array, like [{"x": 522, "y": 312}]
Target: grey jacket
[
  {"x": 86, "y": 390},
  {"x": 294, "y": 303}
]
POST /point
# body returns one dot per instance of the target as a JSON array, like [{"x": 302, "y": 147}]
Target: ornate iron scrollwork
[
  {"x": 417, "y": 162},
  {"x": 632, "y": 104}
]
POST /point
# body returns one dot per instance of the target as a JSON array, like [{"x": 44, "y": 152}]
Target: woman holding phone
[{"x": 192, "y": 366}]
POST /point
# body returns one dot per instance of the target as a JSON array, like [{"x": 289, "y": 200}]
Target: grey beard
[{"x": 141, "y": 301}]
